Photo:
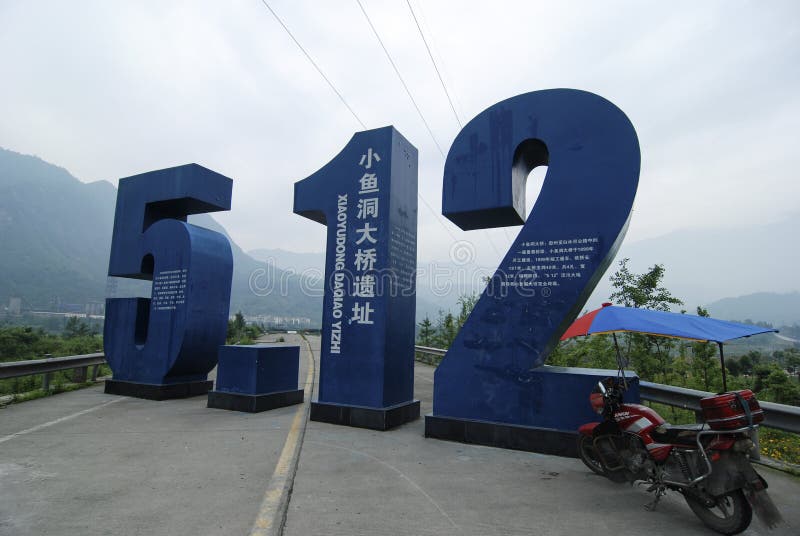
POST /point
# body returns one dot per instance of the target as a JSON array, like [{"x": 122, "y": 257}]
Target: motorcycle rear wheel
[
  {"x": 731, "y": 513},
  {"x": 589, "y": 455}
]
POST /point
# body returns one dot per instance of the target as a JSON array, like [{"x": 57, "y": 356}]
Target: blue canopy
[{"x": 610, "y": 319}]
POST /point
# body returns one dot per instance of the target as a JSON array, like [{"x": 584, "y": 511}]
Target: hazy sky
[{"x": 109, "y": 89}]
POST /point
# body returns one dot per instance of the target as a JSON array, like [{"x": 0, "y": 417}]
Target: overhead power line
[
  {"x": 402, "y": 81},
  {"x": 416, "y": 106},
  {"x": 449, "y": 100},
  {"x": 311, "y": 60},
  {"x": 435, "y": 67},
  {"x": 436, "y": 215}
]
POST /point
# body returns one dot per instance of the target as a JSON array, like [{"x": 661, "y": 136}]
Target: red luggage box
[{"x": 725, "y": 411}]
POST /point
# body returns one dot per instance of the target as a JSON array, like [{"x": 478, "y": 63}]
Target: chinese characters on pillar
[{"x": 366, "y": 253}]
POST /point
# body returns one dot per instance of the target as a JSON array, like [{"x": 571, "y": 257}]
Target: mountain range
[
  {"x": 704, "y": 266},
  {"x": 777, "y": 309},
  {"x": 55, "y": 234}
]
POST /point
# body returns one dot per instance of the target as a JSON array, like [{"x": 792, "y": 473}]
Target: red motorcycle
[{"x": 709, "y": 463}]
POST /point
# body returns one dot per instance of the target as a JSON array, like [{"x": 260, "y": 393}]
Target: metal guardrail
[
  {"x": 429, "y": 350},
  {"x": 780, "y": 416},
  {"x": 16, "y": 369}
]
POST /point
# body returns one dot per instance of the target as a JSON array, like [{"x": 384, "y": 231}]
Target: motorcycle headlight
[{"x": 597, "y": 402}]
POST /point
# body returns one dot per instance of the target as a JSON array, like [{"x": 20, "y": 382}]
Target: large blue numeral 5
[
  {"x": 174, "y": 336},
  {"x": 576, "y": 226}
]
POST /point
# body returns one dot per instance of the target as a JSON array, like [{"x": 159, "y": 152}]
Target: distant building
[
  {"x": 72, "y": 308},
  {"x": 282, "y": 322},
  {"x": 95, "y": 309},
  {"x": 15, "y": 306}
]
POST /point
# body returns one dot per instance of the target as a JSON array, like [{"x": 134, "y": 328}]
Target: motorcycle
[{"x": 709, "y": 463}]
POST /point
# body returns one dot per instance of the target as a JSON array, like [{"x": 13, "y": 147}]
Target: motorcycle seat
[{"x": 677, "y": 434}]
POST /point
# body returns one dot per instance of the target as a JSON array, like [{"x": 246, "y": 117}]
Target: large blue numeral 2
[
  {"x": 172, "y": 338},
  {"x": 492, "y": 372}
]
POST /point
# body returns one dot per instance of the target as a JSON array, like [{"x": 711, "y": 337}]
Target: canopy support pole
[
  {"x": 619, "y": 362},
  {"x": 724, "y": 375}
]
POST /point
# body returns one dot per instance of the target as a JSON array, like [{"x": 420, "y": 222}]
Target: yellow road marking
[{"x": 271, "y": 514}]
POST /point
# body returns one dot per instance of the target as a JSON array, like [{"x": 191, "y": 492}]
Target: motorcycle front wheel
[
  {"x": 589, "y": 455},
  {"x": 731, "y": 513}
]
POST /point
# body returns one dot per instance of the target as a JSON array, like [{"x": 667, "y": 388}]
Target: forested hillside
[{"x": 55, "y": 235}]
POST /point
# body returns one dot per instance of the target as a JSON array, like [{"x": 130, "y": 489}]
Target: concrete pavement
[
  {"x": 360, "y": 482},
  {"x": 126, "y": 466},
  {"x": 86, "y": 463}
]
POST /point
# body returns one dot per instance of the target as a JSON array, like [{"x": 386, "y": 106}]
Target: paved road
[
  {"x": 135, "y": 467},
  {"x": 131, "y": 467},
  {"x": 354, "y": 482}
]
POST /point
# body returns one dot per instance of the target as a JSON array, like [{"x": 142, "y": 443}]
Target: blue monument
[
  {"x": 257, "y": 378},
  {"x": 165, "y": 346},
  {"x": 367, "y": 197},
  {"x": 491, "y": 387}
]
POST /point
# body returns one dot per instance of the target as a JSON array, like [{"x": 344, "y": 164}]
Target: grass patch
[{"x": 779, "y": 445}]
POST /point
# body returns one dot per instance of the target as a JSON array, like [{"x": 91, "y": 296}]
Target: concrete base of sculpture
[
  {"x": 502, "y": 435},
  {"x": 152, "y": 391},
  {"x": 254, "y": 403},
  {"x": 362, "y": 417},
  {"x": 544, "y": 407},
  {"x": 255, "y": 378}
]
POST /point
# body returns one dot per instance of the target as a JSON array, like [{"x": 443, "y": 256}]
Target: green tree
[
  {"x": 596, "y": 351},
  {"x": 238, "y": 322},
  {"x": 792, "y": 360},
  {"x": 240, "y": 333},
  {"x": 650, "y": 356},
  {"x": 749, "y": 361},
  {"x": 642, "y": 290},
  {"x": 734, "y": 367},
  {"x": 781, "y": 389},
  {"x": 25, "y": 342},
  {"x": 446, "y": 329},
  {"x": 466, "y": 303},
  {"x": 680, "y": 370},
  {"x": 706, "y": 368},
  {"x": 760, "y": 375},
  {"x": 426, "y": 332},
  {"x": 779, "y": 357},
  {"x": 75, "y": 327}
]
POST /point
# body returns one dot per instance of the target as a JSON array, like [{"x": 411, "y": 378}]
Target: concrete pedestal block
[
  {"x": 362, "y": 417},
  {"x": 257, "y": 378},
  {"x": 555, "y": 401},
  {"x": 151, "y": 391}
]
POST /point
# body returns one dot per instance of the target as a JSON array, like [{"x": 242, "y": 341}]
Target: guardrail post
[
  {"x": 95, "y": 370},
  {"x": 46, "y": 376},
  {"x": 755, "y": 454},
  {"x": 79, "y": 374}
]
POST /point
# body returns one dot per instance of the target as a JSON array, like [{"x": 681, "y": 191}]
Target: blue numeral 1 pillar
[{"x": 367, "y": 197}]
